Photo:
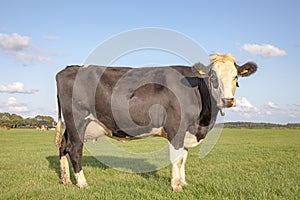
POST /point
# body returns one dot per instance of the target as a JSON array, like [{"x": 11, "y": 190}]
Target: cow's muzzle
[{"x": 228, "y": 102}]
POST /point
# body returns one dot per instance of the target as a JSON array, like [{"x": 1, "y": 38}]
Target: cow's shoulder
[{"x": 184, "y": 70}]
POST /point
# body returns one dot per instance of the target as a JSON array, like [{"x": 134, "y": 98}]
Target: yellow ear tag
[
  {"x": 202, "y": 72},
  {"x": 245, "y": 71}
]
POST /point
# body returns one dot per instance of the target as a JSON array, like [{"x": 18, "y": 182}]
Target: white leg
[
  {"x": 175, "y": 181},
  {"x": 178, "y": 159},
  {"x": 182, "y": 168},
  {"x": 80, "y": 179},
  {"x": 64, "y": 171}
]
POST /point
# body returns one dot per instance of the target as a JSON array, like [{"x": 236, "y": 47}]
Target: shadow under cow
[{"x": 129, "y": 165}]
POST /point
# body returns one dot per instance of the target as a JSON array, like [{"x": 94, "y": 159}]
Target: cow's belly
[{"x": 96, "y": 129}]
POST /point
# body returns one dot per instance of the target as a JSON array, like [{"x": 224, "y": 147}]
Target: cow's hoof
[
  {"x": 177, "y": 188},
  {"x": 65, "y": 181},
  {"x": 183, "y": 183},
  {"x": 176, "y": 185},
  {"x": 80, "y": 180},
  {"x": 82, "y": 185}
]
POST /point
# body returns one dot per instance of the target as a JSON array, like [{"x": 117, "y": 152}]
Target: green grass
[{"x": 245, "y": 164}]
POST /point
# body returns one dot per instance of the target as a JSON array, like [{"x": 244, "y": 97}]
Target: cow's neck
[{"x": 209, "y": 109}]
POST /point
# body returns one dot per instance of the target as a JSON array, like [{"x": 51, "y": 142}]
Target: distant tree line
[
  {"x": 260, "y": 125},
  {"x": 17, "y": 121}
]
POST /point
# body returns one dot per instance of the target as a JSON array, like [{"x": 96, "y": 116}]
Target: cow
[
  {"x": 179, "y": 103},
  {"x": 6, "y": 128},
  {"x": 42, "y": 128}
]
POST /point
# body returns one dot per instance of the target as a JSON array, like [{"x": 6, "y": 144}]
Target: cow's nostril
[{"x": 228, "y": 102}]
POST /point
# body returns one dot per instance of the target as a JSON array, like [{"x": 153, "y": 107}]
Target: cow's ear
[
  {"x": 201, "y": 70},
  {"x": 247, "y": 69}
]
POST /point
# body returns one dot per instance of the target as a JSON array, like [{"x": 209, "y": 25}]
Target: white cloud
[
  {"x": 265, "y": 50},
  {"x": 265, "y": 112},
  {"x": 21, "y": 48},
  {"x": 271, "y": 105},
  {"x": 268, "y": 113},
  {"x": 31, "y": 58},
  {"x": 14, "y": 106},
  {"x": 14, "y": 42},
  {"x": 16, "y": 87},
  {"x": 244, "y": 110},
  {"x": 244, "y": 105}
]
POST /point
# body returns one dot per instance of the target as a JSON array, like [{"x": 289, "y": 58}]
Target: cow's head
[{"x": 223, "y": 75}]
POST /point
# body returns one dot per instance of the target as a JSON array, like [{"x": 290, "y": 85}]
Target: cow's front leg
[
  {"x": 182, "y": 168},
  {"x": 175, "y": 180},
  {"x": 178, "y": 169}
]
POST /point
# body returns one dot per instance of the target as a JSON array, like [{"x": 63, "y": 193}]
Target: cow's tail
[{"x": 58, "y": 135}]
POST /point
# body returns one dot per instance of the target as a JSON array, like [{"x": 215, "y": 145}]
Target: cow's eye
[
  {"x": 214, "y": 80},
  {"x": 213, "y": 77},
  {"x": 236, "y": 79}
]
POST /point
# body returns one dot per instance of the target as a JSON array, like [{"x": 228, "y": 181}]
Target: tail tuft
[{"x": 58, "y": 135}]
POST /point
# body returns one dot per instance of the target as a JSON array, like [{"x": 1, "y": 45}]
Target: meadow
[{"x": 245, "y": 164}]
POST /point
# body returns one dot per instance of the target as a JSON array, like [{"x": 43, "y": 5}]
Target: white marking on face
[
  {"x": 228, "y": 76},
  {"x": 224, "y": 67}
]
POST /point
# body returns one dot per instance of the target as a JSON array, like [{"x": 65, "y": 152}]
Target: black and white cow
[{"x": 179, "y": 103}]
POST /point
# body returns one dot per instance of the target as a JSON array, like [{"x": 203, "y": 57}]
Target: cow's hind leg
[
  {"x": 64, "y": 164},
  {"x": 76, "y": 156}
]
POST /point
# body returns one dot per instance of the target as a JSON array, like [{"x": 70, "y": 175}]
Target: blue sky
[{"x": 39, "y": 38}]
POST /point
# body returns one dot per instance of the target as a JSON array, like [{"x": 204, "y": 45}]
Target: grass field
[{"x": 245, "y": 164}]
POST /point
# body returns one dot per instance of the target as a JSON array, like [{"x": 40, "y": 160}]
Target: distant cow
[
  {"x": 6, "y": 128},
  {"x": 179, "y": 103},
  {"x": 42, "y": 128}
]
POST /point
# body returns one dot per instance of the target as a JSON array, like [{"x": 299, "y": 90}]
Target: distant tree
[
  {"x": 44, "y": 118},
  {"x": 31, "y": 122},
  {"x": 15, "y": 121},
  {"x": 5, "y": 119}
]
